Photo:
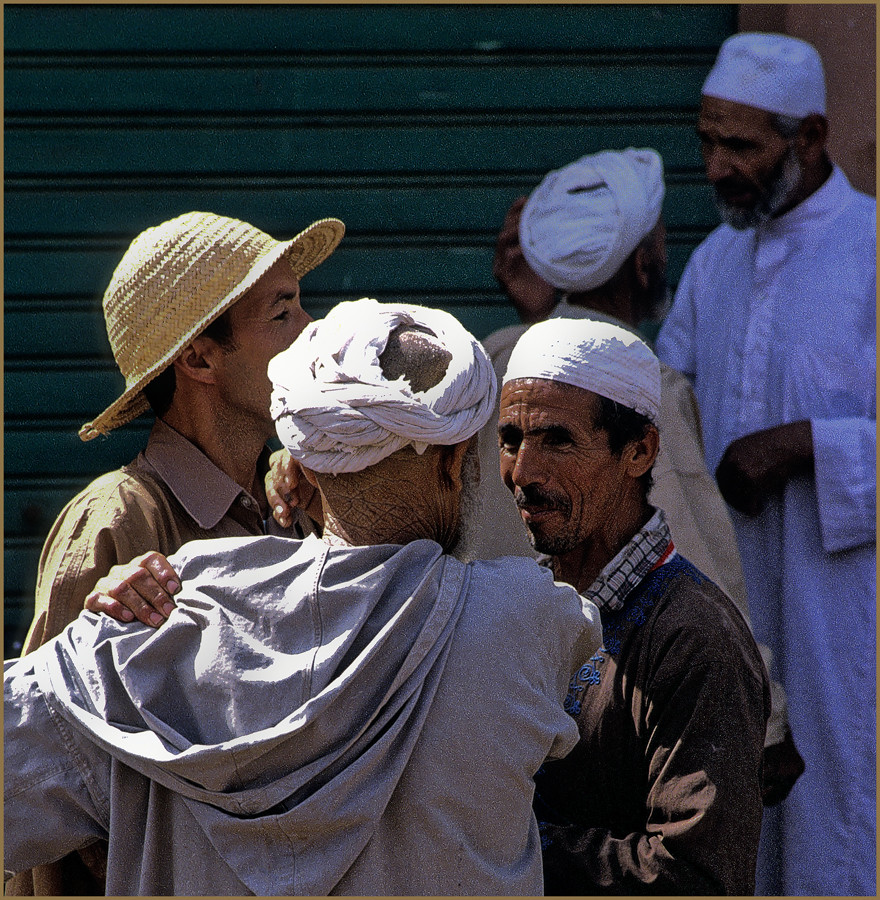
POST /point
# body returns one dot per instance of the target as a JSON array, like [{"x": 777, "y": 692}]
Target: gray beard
[
  {"x": 469, "y": 502},
  {"x": 766, "y": 207}
]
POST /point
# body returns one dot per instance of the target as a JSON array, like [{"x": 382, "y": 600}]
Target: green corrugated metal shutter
[{"x": 416, "y": 125}]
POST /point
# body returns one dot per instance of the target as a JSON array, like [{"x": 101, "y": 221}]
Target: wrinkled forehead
[
  {"x": 732, "y": 119},
  {"x": 539, "y": 400}
]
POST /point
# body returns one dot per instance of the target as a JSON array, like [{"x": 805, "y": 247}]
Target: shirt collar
[
  {"x": 649, "y": 548},
  {"x": 205, "y": 491}
]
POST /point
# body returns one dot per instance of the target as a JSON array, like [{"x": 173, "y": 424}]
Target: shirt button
[{"x": 247, "y": 503}]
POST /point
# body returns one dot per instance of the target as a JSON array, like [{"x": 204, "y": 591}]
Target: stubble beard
[
  {"x": 769, "y": 203},
  {"x": 560, "y": 541},
  {"x": 553, "y": 544}
]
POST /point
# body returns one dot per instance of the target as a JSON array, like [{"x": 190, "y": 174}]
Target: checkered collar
[{"x": 650, "y": 548}]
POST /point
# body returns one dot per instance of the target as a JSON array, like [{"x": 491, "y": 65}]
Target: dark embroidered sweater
[{"x": 662, "y": 795}]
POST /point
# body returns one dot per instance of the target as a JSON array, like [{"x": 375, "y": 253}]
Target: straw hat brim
[{"x": 306, "y": 251}]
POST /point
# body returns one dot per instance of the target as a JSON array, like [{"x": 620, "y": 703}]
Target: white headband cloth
[
  {"x": 595, "y": 356},
  {"x": 773, "y": 72},
  {"x": 336, "y": 412}
]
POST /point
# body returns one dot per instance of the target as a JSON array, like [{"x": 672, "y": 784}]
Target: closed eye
[{"x": 285, "y": 302}]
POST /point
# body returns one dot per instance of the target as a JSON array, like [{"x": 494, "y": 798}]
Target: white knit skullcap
[
  {"x": 596, "y": 356},
  {"x": 584, "y": 220},
  {"x": 334, "y": 409},
  {"x": 774, "y": 72}
]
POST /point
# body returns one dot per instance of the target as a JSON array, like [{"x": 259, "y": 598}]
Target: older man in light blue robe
[{"x": 774, "y": 321}]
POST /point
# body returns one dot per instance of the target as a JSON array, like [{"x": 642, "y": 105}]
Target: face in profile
[
  {"x": 265, "y": 321},
  {"x": 754, "y": 170}
]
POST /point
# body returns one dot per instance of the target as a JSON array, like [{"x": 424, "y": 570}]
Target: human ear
[
  {"x": 641, "y": 266},
  {"x": 811, "y": 139},
  {"x": 452, "y": 461},
  {"x": 641, "y": 453},
  {"x": 198, "y": 360}
]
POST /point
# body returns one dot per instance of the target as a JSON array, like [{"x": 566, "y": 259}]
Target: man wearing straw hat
[
  {"x": 775, "y": 322},
  {"x": 194, "y": 311},
  {"x": 358, "y": 714}
]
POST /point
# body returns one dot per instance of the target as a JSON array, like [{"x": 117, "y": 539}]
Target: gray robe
[{"x": 308, "y": 721}]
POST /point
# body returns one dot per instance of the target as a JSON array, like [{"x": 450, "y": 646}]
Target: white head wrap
[
  {"x": 584, "y": 220},
  {"x": 335, "y": 411},
  {"x": 774, "y": 72},
  {"x": 596, "y": 356}
]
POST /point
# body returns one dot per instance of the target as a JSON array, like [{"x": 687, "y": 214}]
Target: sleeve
[
  {"x": 704, "y": 715},
  {"x": 845, "y": 453},
  {"x": 56, "y": 785},
  {"x": 675, "y": 340},
  {"x": 108, "y": 523},
  {"x": 688, "y": 494}
]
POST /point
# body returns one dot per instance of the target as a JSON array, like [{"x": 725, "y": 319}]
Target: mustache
[
  {"x": 533, "y": 496},
  {"x": 736, "y": 186}
]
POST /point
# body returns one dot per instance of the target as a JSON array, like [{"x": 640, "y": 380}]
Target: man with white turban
[
  {"x": 662, "y": 795},
  {"x": 356, "y": 714},
  {"x": 775, "y": 323}
]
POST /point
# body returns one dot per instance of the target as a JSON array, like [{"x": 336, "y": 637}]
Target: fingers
[
  {"x": 141, "y": 589},
  {"x": 101, "y": 603},
  {"x": 279, "y": 482}
]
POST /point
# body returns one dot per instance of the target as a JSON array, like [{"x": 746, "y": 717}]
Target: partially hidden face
[
  {"x": 567, "y": 483},
  {"x": 752, "y": 167},
  {"x": 265, "y": 321}
]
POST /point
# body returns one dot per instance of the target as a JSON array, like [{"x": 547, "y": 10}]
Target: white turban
[
  {"x": 769, "y": 71},
  {"x": 596, "y": 356},
  {"x": 583, "y": 221},
  {"x": 336, "y": 412}
]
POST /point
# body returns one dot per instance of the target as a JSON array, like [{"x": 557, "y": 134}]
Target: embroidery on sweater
[
  {"x": 639, "y": 604},
  {"x": 588, "y": 673},
  {"x": 617, "y": 624}
]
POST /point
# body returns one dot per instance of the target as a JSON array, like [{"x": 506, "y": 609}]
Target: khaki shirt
[{"x": 170, "y": 494}]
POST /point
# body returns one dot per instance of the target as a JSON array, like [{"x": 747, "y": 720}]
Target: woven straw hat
[{"x": 175, "y": 279}]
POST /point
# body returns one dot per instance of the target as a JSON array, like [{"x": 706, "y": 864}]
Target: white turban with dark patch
[
  {"x": 582, "y": 221},
  {"x": 335, "y": 411},
  {"x": 596, "y": 356}
]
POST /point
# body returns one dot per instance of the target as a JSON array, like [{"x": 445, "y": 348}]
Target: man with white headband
[
  {"x": 662, "y": 795},
  {"x": 775, "y": 323},
  {"x": 593, "y": 233},
  {"x": 356, "y": 714}
]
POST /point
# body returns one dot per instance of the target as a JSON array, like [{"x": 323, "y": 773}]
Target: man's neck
[
  {"x": 581, "y": 566},
  {"x": 616, "y": 304},
  {"x": 233, "y": 447}
]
